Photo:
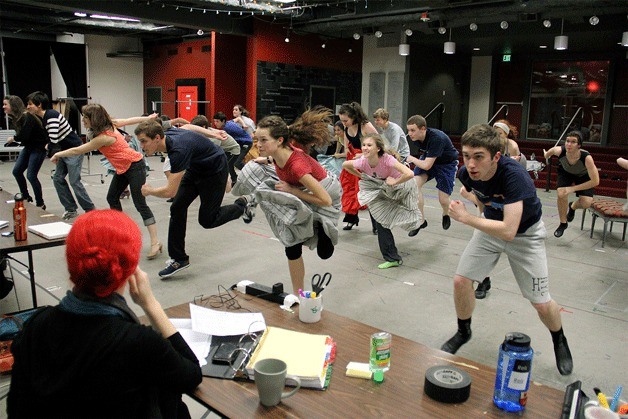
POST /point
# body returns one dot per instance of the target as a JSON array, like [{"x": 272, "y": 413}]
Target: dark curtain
[
  {"x": 27, "y": 66},
  {"x": 73, "y": 66}
]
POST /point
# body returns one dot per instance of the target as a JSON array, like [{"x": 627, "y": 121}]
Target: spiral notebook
[{"x": 51, "y": 231}]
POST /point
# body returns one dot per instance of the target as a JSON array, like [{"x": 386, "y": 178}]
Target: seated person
[
  {"x": 89, "y": 356},
  {"x": 576, "y": 173}
]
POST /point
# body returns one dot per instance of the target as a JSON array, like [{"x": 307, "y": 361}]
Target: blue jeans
[
  {"x": 71, "y": 166},
  {"x": 31, "y": 159}
]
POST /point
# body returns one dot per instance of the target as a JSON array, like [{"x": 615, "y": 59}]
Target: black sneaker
[
  {"x": 560, "y": 230},
  {"x": 571, "y": 213},
  {"x": 564, "y": 362},
  {"x": 414, "y": 232},
  {"x": 456, "y": 341},
  {"x": 173, "y": 267},
  {"x": 249, "y": 207},
  {"x": 6, "y": 285},
  {"x": 483, "y": 287},
  {"x": 446, "y": 222}
]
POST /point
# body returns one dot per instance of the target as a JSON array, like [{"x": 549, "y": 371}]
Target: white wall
[
  {"x": 115, "y": 83},
  {"x": 480, "y": 90},
  {"x": 376, "y": 59}
]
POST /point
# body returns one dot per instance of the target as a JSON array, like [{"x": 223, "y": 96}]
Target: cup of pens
[
  {"x": 310, "y": 307},
  {"x": 606, "y": 407}
]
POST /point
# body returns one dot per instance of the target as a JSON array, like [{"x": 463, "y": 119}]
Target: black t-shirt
[
  {"x": 511, "y": 183},
  {"x": 194, "y": 153},
  {"x": 438, "y": 144}
]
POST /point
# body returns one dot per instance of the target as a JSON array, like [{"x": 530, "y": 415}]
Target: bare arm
[
  {"x": 505, "y": 229},
  {"x": 315, "y": 193},
  {"x": 94, "y": 144},
  {"x": 406, "y": 174},
  {"x": 348, "y": 166},
  {"x": 554, "y": 151},
  {"x": 167, "y": 191},
  {"x": 207, "y": 132},
  {"x": 594, "y": 179},
  {"x": 142, "y": 295},
  {"x": 425, "y": 164},
  {"x": 121, "y": 122}
]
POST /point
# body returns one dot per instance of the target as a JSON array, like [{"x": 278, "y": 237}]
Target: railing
[
  {"x": 548, "y": 161},
  {"x": 441, "y": 106}
]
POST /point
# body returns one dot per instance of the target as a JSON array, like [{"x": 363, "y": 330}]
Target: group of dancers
[{"x": 302, "y": 201}]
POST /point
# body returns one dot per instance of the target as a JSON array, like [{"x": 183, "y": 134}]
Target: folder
[
  {"x": 51, "y": 231},
  {"x": 307, "y": 356}
]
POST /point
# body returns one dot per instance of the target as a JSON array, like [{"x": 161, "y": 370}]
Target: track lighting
[
  {"x": 449, "y": 47},
  {"x": 378, "y": 34},
  {"x": 594, "y": 20},
  {"x": 408, "y": 32},
  {"x": 473, "y": 27},
  {"x": 561, "y": 42},
  {"x": 356, "y": 36}
]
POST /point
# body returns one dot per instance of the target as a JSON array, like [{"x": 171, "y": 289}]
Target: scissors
[{"x": 320, "y": 283}]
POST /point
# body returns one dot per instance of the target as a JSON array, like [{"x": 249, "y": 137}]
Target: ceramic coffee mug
[
  {"x": 270, "y": 379},
  {"x": 310, "y": 309}
]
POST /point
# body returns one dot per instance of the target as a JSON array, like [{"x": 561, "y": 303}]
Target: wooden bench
[
  {"x": 12, "y": 152},
  {"x": 608, "y": 210}
]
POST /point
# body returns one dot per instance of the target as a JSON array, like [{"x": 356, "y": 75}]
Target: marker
[
  {"x": 307, "y": 294},
  {"x": 313, "y": 295},
  {"x": 601, "y": 397},
  {"x": 616, "y": 396},
  {"x": 301, "y": 293}
]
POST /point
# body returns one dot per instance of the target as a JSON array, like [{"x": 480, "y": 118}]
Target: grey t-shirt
[{"x": 396, "y": 139}]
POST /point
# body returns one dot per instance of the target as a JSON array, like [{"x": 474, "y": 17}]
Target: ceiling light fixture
[
  {"x": 378, "y": 34},
  {"x": 594, "y": 20},
  {"x": 442, "y": 30},
  {"x": 473, "y": 27},
  {"x": 404, "y": 49},
  {"x": 323, "y": 46},
  {"x": 449, "y": 47},
  {"x": 624, "y": 39},
  {"x": 408, "y": 32},
  {"x": 503, "y": 24},
  {"x": 350, "y": 50},
  {"x": 107, "y": 17},
  {"x": 200, "y": 32},
  {"x": 356, "y": 36},
  {"x": 561, "y": 42},
  {"x": 547, "y": 23}
]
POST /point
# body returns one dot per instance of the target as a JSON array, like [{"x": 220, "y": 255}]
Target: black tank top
[{"x": 355, "y": 141}]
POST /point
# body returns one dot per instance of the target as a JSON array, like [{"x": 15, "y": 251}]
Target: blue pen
[
  {"x": 307, "y": 294},
  {"x": 615, "y": 400}
]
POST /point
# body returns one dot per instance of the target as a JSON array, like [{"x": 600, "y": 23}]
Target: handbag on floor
[{"x": 11, "y": 324}]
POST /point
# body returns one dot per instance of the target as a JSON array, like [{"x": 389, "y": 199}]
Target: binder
[{"x": 307, "y": 356}]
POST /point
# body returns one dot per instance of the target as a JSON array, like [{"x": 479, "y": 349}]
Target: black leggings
[{"x": 324, "y": 248}]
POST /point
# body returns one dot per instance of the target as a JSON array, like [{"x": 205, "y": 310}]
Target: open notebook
[
  {"x": 51, "y": 231},
  {"x": 308, "y": 356}
]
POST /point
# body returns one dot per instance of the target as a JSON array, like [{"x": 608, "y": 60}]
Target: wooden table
[
  {"x": 8, "y": 245},
  {"x": 401, "y": 393}
]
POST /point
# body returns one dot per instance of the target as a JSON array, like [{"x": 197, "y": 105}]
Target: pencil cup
[
  {"x": 270, "y": 379},
  {"x": 310, "y": 309}
]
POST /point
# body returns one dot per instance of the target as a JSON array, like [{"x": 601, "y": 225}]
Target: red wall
[
  {"x": 230, "y": 69},
  {"x": 162, "y": 69}
]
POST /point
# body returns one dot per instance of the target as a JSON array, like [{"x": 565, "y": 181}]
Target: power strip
[{"x": 274, "y": 294}]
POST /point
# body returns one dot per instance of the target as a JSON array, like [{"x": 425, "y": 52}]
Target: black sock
[
  {"x": 464, "y": 326},
  {"x": 556, "y": 336}
]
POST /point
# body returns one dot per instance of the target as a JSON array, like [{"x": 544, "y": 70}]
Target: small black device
[
  {"x": 7, "y": 234},
  {"x": 225, "y": 354}
]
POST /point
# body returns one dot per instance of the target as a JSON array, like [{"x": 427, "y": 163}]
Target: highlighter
[
  {"x": 615, "y": 400},
  {"x": 601, "y": 397}
]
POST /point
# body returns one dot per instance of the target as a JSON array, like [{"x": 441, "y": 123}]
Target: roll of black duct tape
[{"x": 447, "y": 384}]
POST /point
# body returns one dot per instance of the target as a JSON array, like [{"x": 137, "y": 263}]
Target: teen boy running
[{"x": 511, "y": 224}]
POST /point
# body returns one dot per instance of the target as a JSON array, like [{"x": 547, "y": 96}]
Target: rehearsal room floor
[{"x": 590, "y": 283}]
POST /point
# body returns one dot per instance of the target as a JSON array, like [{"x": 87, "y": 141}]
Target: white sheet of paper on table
[
  {"x": 199, "y": 343},
  {"x": 221, "y": 323}
]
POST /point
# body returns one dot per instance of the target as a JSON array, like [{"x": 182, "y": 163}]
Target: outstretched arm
[
  {"x": 505, "y": 229},
  {"x": 122, "y": 122}
]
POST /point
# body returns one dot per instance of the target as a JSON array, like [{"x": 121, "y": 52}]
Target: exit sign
[{"x": 506, "y": 58}]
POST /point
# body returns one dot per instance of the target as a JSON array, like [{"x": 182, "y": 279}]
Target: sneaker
[
  {"x": 483, "y": 287},
  {"x": 571, "y": 213},
  {"x": 414, "y": 232},
  {"x": 173, "y": 266},
  {"x": 390, "y": 264},
  {"x": 68, "y": 215},
  {"x": 456, "y": 341},
  {"x": 249, "y": 207},
  {"x": 446, "y": 222},
  {"x": 560, "y": 230},
  {"x": 6, "y": 285},
  {"x": 564, "y": 363}
]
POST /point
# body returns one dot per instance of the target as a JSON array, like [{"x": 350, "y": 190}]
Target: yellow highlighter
[{"x": 601, "y": 397}]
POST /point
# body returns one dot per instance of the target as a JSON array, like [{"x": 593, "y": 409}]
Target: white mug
[{"x": 310, "y": 309}]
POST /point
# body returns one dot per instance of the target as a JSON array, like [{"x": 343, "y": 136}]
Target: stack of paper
[{"x": 308, "y": 356}]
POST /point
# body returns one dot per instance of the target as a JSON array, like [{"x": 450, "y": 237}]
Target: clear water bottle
[
  {"x": 513, "y": 372},
  {"x": 379, "y": 359}
]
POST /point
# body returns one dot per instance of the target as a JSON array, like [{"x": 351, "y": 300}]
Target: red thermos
[{"x": 19, "y": 218}]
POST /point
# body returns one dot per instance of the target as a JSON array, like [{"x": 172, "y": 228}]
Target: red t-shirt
[{"x": 298, "y": 165}]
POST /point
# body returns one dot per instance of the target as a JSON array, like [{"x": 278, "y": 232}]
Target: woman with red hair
[{"x": 89, "y": 356}]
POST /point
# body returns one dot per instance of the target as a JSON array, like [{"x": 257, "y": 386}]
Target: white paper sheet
[
  {"x": 198, "y": 342},
  {"x": 221, "y": 323}
]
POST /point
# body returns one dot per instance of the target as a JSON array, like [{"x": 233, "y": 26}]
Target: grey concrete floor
[{"x": 415, "y": 301}]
